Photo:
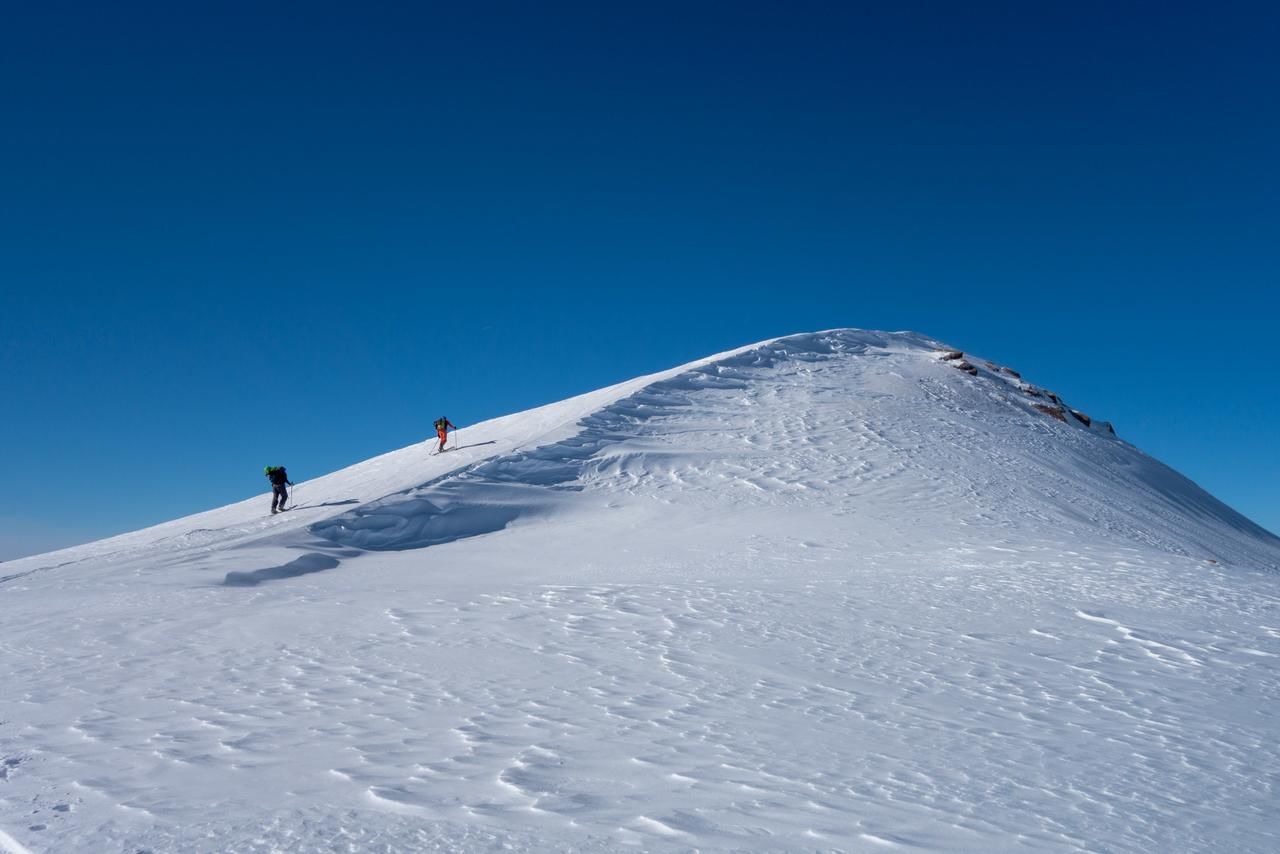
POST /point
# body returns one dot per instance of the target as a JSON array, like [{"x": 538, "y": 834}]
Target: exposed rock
[
  {"x": 1055, "y": 407},
  {"x": 1055, "y": 411}
]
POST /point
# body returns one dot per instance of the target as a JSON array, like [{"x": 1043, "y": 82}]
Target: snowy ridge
[
  {"x": 829, "y": 592},
  {"x": 392, "y": 473},
  {"x": 533, "y": 455},
  {"x": 987, "y": 457}
]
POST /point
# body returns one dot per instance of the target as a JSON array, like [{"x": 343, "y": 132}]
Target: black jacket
[{"x": 278, "y": 476}]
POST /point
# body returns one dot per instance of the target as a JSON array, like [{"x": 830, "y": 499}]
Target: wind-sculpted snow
[
  {"x": 783, "y": 418},
  {"x": 491, "y": 495},
  {"x": 827, "y": 593}
]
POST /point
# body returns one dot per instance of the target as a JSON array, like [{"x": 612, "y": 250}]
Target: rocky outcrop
[
  {"x": 1047, "y": 402},
  {"x": 1055, "y": 411}
]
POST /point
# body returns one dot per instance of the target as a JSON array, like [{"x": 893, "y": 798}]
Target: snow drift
[{"x": 992, "y": 454}]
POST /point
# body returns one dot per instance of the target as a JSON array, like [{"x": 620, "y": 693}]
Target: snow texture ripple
[{"x": 824, "y": 593}]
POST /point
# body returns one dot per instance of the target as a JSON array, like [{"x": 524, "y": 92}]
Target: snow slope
[{"x": 828, "y": 592}]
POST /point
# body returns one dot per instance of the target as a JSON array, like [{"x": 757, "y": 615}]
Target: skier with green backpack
[{"x": 443, "y": 426}]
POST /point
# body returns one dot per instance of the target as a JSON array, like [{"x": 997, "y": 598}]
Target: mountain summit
[
  {"x": 889, "y": 433},
  {"x": 846, "y": 590}
]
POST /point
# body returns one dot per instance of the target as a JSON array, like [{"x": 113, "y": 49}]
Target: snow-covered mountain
[{"x": 844, "y": 591}]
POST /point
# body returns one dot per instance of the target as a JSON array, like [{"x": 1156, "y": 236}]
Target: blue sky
[{"x": 249, "y": 233}]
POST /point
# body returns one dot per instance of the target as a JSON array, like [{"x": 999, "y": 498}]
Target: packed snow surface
[{"x": 824, "y": 593}]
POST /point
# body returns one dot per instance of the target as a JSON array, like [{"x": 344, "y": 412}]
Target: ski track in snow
[{"x": 825, "y": 594}]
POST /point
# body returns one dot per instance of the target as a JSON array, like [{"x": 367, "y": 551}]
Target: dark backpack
[{"x": 441, "y": 423}]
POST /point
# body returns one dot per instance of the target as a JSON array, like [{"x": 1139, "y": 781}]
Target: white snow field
[{"x": 824, "y": 593}]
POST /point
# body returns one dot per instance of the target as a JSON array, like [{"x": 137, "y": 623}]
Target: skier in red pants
[{"x": 443, "y": 426}]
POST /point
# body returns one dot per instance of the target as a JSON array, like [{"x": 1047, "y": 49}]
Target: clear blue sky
[{"x": 240, "y": 234}]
